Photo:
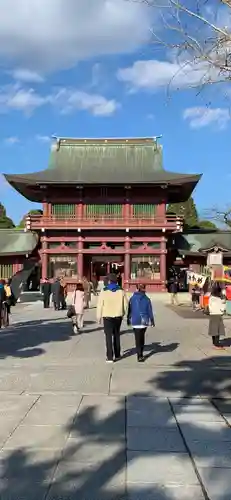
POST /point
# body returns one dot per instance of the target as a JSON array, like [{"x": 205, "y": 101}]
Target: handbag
[{"x": 71, "y": 309}]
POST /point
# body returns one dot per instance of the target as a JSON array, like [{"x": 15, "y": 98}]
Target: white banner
[{"x": 195, "y": 279}]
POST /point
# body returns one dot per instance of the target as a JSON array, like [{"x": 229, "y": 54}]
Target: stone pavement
[{"x": 74, "y": 428}]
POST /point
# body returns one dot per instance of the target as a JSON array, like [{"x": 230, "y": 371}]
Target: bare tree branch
[
  {"x": 220, "y": 215},
  {"x": 194, "y": 30}
]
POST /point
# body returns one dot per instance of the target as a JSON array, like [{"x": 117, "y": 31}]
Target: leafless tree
[
  {"x": 199, "y": 34},
  {"x": 222, "y": 216}
]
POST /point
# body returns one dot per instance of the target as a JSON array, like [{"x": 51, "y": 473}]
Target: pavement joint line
[
  {"x": 109, "y": 384},
  {"x": 218, "y": 411},
  {"x": 206, "y": 497},
  {"x": 19, "y": 423},
  {"x": 126, "y": 447}
]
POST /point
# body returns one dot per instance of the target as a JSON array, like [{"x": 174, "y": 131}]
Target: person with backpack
[{"x": 140, "y": 316}]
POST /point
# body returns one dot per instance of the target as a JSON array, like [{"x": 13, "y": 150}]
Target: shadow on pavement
[
  {"x": 172, "y": 444},
  {"x": 22, "y": 340},
  {"x": 185, "y": 311},
  {"x": 151, "y": 349}
]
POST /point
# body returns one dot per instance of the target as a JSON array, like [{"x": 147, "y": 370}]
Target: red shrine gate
[{"x": 104, "y": 206}]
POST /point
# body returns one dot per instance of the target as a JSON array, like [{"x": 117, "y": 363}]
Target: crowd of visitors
[{"x": 112, "y": 306}]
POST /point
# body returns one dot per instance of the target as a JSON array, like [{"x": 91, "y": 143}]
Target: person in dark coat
[
  {"x": 119, "y": 279},
  {"x": 196, "y": 292},
  {"x": 174, "y": 289},
  {"x": 95, "y": 283},
  {"x": 46, "y": 291},
  {"x": 56, "y": 293},
  {"x": 140, "y": 316},
  {"x": 105, "y": 281},
  {"x": 3, "y": 309},
  {"x": 63, "y": 294}
]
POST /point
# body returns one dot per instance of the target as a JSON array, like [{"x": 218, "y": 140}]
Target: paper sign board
[{"x": 195, "y": 279}]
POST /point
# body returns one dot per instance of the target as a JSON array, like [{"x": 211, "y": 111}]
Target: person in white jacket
[{"x": 216, "y": 311}]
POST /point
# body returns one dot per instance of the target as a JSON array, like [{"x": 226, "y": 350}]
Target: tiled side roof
[
  {"x": 13, "y": 241},
  {"x": 196, "y": 242}
]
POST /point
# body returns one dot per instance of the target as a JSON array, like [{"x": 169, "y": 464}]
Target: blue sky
[{"x": 84, "y": 71}]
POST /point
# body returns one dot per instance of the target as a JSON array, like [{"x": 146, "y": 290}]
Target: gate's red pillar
[
  {"x": 127, "y": 263},
  {"x": 163, "y": 264},
  {"x": 80, "y": 256},
  {"x": 44, "y": 259}
]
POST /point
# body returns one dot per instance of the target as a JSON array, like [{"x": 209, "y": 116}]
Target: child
[{"x": 195, "y": 297}]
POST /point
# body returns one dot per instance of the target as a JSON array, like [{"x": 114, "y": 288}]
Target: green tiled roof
[
  {"x": 121, "y": 161},
  {"x": 95, "y": 162},
  {"x": 196, "y": 242},
  {"x": 13, "y": 241}
]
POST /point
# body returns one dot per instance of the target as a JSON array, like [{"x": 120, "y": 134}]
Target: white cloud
[
  {"x": 71, "y": 100},
  {"x": 153, "y": 75},
  {"x": 199, "y": 117},
  {"x": 10, "y": 141},
  {"x": 45, "y": 36},
  {"x": 43, "y": 138},
  {"x": 27, "y": 76},
  {"x": 17, "y": 98}
]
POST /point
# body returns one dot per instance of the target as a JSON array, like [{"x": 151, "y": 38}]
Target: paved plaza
[{"x": 74, "y": 428}]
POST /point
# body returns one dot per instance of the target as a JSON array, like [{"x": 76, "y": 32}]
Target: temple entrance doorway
[{"x": 102, "y": 265}]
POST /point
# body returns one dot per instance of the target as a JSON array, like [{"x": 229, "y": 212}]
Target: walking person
[
  {"x": 78, "y": 304},
  {"x": 140, "y": 316},
  {"x": 87, "y": 292},
  {"x": 55, "y": 290},
  {"x": 3, "y": 308},
  {"x": 196, "y": 292},
  {"x": 46, "y": 291},
  {"x": 9, "y": 301},
  {"x": 111, "y": 307},
  {"x": 216, "y": 311},
  {"x": 174, "y": 288},
  {"x": 119, "y": 279},
  {"x": 95, "y": 283},
  {"x": 63, "y": 294}
]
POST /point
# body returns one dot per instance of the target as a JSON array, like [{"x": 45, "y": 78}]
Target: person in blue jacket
[{"x": 140, "y": 316}]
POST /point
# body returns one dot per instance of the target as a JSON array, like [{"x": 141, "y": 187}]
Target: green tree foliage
[
  {"x": 31, "y": 212},
  {"x": 187, "y": 210},
  {"x": 5, "y": 222}
]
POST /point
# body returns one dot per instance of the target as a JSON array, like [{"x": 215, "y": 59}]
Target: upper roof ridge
[{"x": 106, "y": 140}]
